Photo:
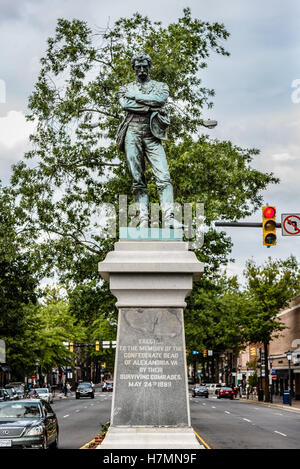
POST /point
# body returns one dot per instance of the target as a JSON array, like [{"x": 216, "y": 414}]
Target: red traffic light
[{"x": 269, "y": 212}]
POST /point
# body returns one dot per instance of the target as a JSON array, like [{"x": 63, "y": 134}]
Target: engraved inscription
[{"x": 150, "y": 362}]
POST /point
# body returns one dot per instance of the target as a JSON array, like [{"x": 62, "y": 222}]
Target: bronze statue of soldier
[{"x": 140, "y": 136}]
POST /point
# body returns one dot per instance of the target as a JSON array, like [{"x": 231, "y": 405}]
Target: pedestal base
[{"x": 150, "y": 438}]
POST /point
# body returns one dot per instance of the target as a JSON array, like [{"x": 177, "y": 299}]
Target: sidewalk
[{"x": 278, "y": 403}]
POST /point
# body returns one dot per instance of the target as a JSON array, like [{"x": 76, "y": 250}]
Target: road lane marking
[
  {"x": 226, "y": 412},
  {"x": 247, "y": 420},
  {"x": 77, "y": 410},
  {"x": 279, "y": 433},
  {"x": 213, "y": 407},
  {"x": 66, "y": 416},
  {"x": 202, "y": 441}
]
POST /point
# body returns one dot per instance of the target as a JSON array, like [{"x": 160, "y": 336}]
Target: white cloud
[
  {"x": 14, "y": 129},
  {"x": 283, "y": 157}
]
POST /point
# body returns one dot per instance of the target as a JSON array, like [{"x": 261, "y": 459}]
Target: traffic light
[
  {"x": 97, "y": 346},
  {"x": 71, "y": 347},
  {"x": 187, "y": 352},
  {"x": 269, "y": 226},
  {"x": 204, "y": 353}
]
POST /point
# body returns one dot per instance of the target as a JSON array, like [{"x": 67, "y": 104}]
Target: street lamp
[
  {"x": 271, "y": 363},
  {"x": 289, "y": 357}
]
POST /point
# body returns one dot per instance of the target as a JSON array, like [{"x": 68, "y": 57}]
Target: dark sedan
[
  {"x": 28, "y": 423},
  {"x": 85, "y": 390},
  {"x": 200, "y": 391}
]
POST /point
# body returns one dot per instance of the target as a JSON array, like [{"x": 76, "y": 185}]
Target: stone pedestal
[{"x": 150, "y": 407}]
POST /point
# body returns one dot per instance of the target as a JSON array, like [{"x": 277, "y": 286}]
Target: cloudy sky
[{"x": 257, "y": 102}]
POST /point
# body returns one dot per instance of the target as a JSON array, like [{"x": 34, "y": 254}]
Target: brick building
[{"x": 289, "y": 339}]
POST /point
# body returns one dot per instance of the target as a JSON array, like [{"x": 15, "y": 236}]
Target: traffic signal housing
[
  {"x": 269, "y": 226},
  {"x": 71, "y": 347},
  {"x": 204, "y": 353},
  {"x": 97, "y": 344}
]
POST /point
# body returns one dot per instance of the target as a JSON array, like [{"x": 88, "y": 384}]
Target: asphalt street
[
  {"x": 226, "y": 424},
  {"x": 222, "y": 424},
  {"x": 79, "y": 419}
]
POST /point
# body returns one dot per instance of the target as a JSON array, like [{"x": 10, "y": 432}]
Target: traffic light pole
[{"x": 242, "y": 224}]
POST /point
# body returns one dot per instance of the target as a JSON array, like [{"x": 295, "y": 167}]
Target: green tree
[
  {"x": 46, "y": 325},
  {"x": 214, "y": 317},
  {"x": 19, "y": 275},
  {"x": 270, "y": 287},
  {"x": 58, "y": 325},
  {"x": 77, "y": 166}
]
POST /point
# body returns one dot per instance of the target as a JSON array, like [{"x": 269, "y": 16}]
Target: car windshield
[
  {"x": 226, "y": 389},
  {"x": 109, "y": 384},
  {"x": 42, "y": 391},
  {"x": 84, "y": 385},
  {"x": 16, "y": 387},
  {"x": 20, "y": 410}
]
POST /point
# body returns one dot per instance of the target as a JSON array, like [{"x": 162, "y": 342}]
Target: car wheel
[
  {"x": 55, "y": 443},
  {"x": 92, "y": 396},
  {"x": 77, "y": 397},
  {"x": 218, "y": 397},
  {"x": 206, "y": 397}
]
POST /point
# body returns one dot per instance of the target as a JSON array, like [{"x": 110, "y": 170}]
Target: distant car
[
  {"x": 108, "y": 386},
  {"x": 213, "y": 387},
  {"x": 12, "y": 394},
  {"x": 4, "y": 396},
  {"x": 44, "y": 394},
  {"x": 200, "y": 391},
  {"x": 85, "y": 390},
  {"x": 18, "y": 387},
  {"x": 225, "y": 392},
  {"x": 28, "y": 424}
]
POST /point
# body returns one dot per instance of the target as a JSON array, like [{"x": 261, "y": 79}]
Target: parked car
[
  {"x": 12, "y": 394},
  {"x": 44, "y": 394},
  {"x": 225, "y": 392},
  {"x": 213, "y": 387},
  {"x": 200, "y": 391},
  {"x": 18, "y": 387},
  {"x": 85, "y": 390},
  {"x": 108, "y": 386},
  {"x": 28, "y": 423},
  {"x": 4, "y": 396}
]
